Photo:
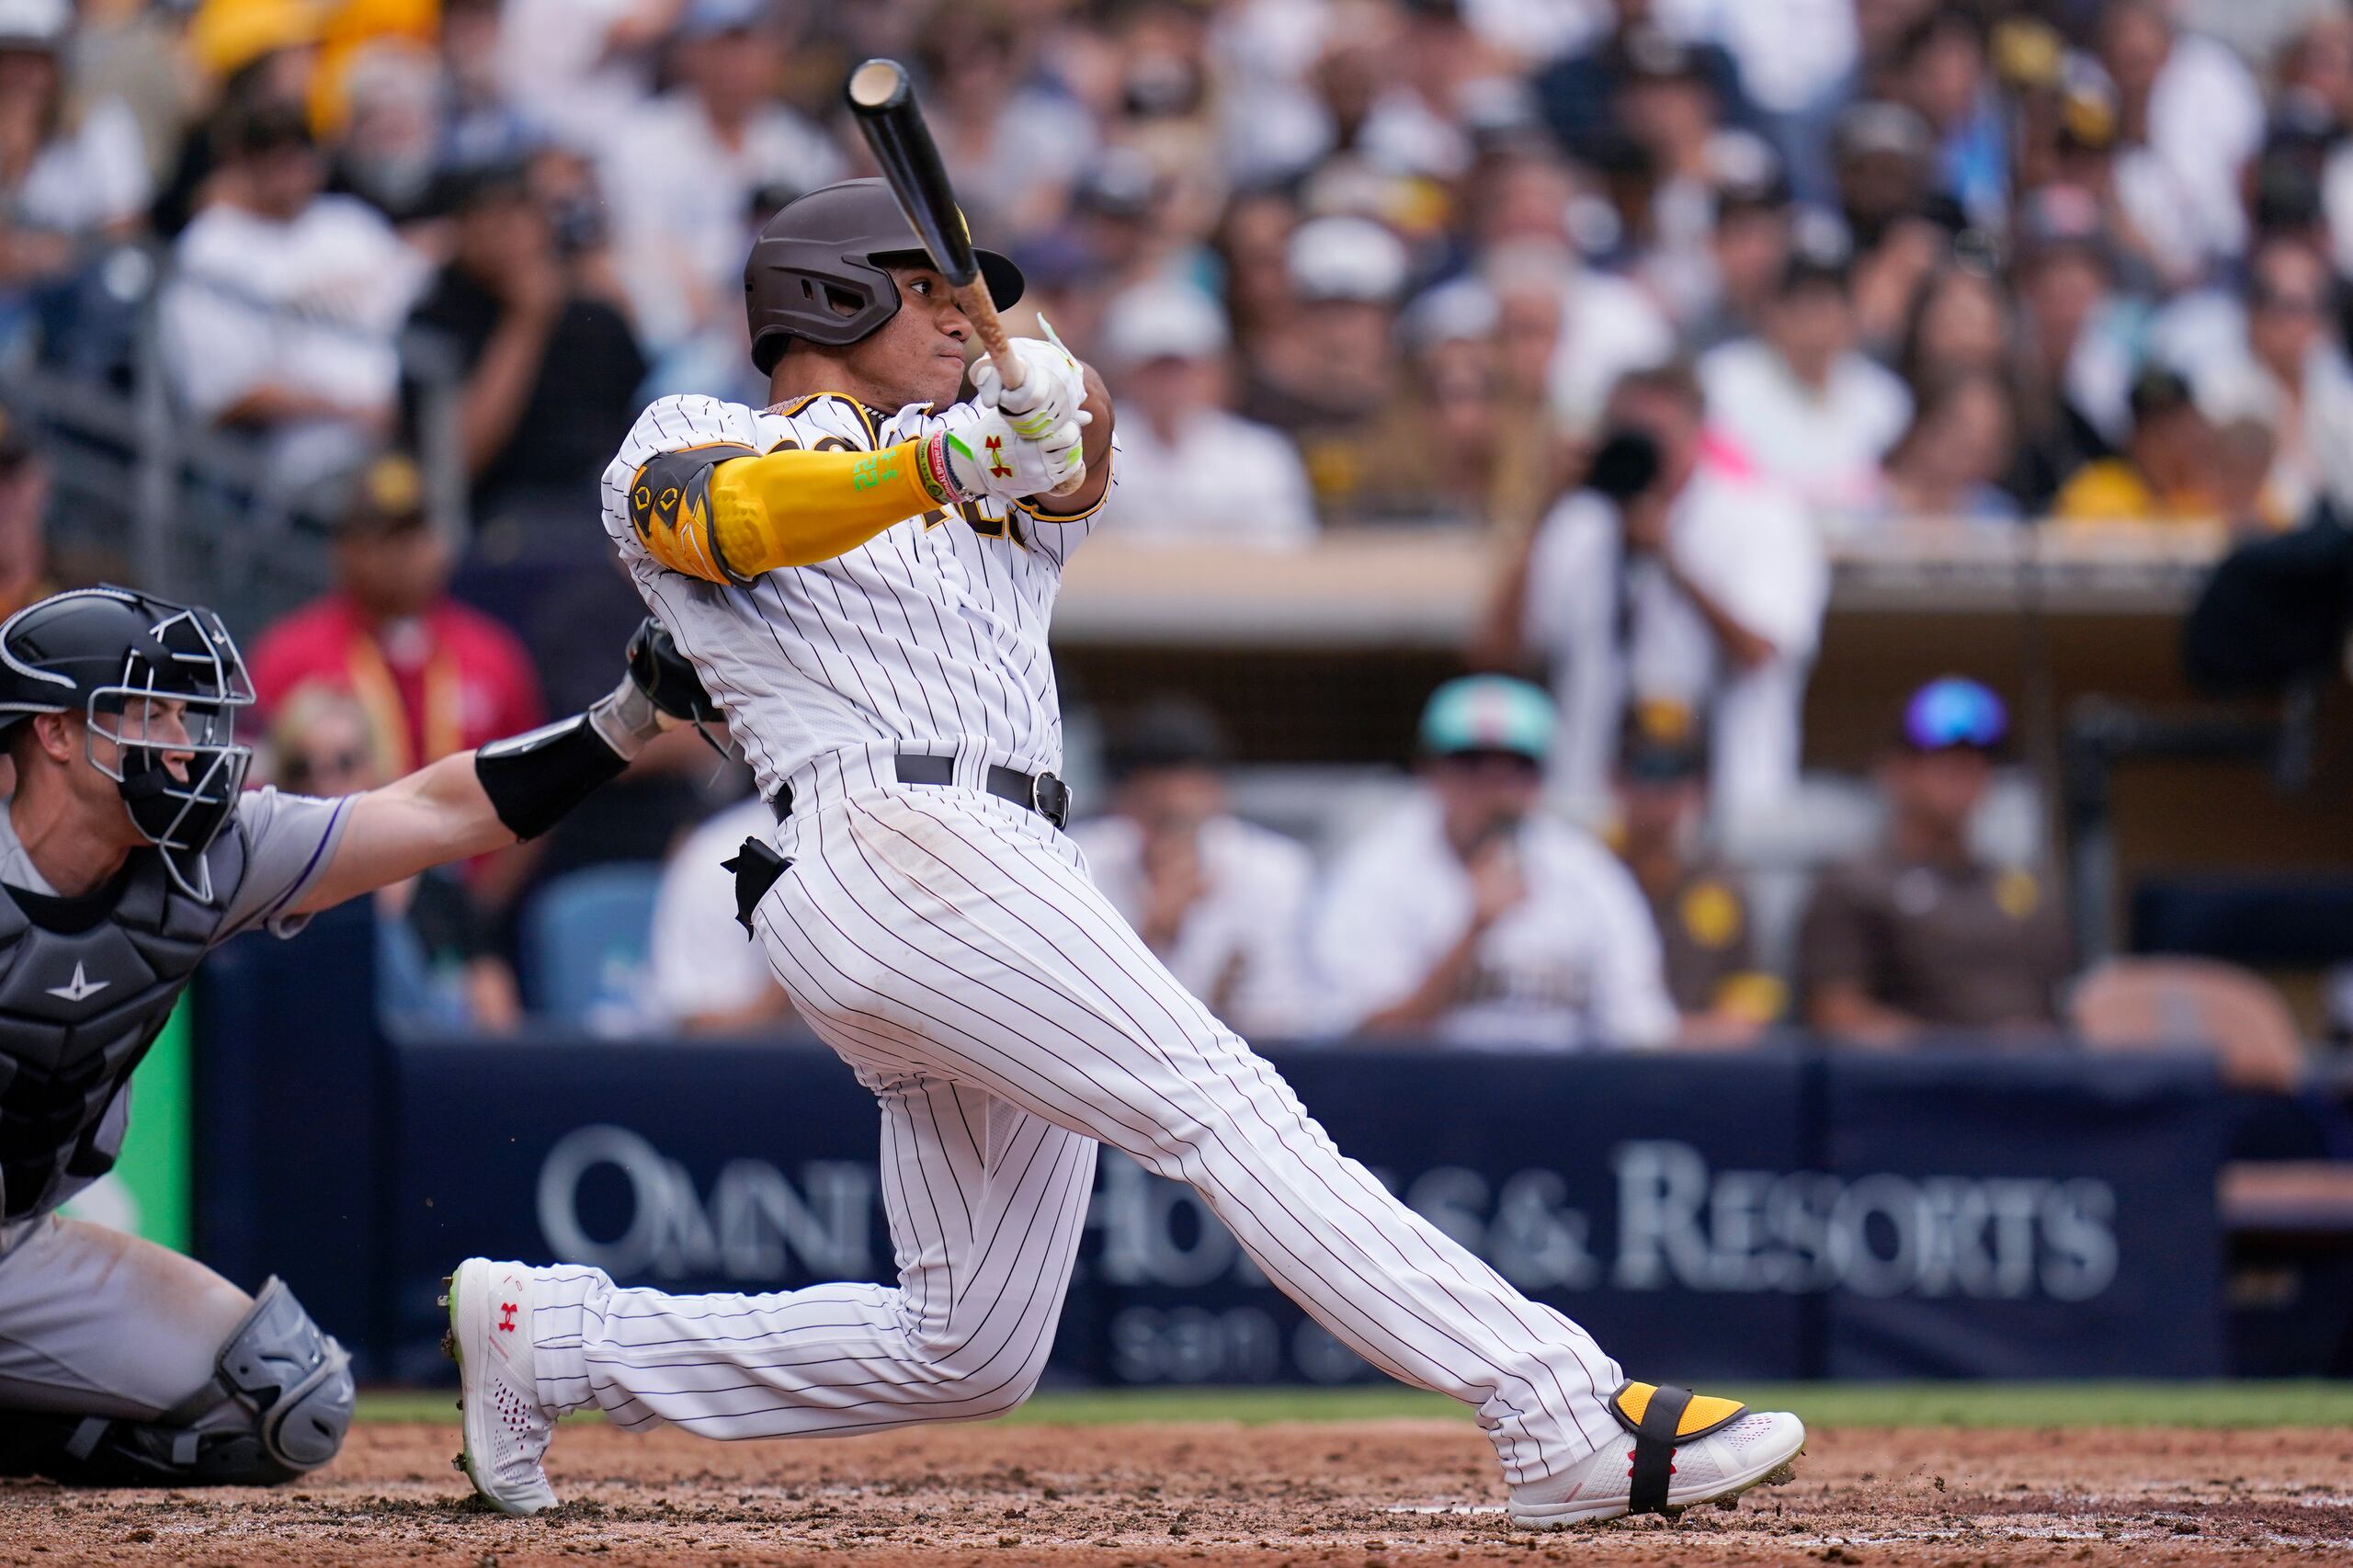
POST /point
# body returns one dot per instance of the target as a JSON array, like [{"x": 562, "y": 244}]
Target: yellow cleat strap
[{"x": 1661, "y": 1416}]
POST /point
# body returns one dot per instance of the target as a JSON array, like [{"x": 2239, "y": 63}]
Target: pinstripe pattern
[
  {"x": 952, "y": 948},
  {"x": 931, "y": 629},
  {"x": 986, "y": 1203}
]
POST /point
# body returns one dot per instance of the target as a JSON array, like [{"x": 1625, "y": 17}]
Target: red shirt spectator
[{"x": 434, "y": 676}]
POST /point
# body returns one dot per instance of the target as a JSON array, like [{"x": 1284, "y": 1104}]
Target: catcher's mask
[{"x": 159, "y": 685}]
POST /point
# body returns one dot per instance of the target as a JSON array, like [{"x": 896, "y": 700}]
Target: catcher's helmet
[
  {"x": 816, "y": 271},
  {"x": 114, "y": 656}
]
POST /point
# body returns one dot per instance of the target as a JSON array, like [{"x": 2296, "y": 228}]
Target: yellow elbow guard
[{"x": 725, "y": 514}]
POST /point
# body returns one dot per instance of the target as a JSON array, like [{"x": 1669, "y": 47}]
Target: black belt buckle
[
  {"x": 757, "y": 867},
  {"x": 1050, "y": 798}
]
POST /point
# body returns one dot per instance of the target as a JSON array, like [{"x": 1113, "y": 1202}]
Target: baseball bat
[{"x": 883, "y": 101}]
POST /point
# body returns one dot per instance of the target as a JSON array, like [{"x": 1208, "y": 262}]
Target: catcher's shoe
[
  {"x": 507, "y": 1429},
  {"x": 1681, "y": 1449}
]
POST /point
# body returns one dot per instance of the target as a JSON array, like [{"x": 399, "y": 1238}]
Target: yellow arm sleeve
[{"x": 726, "y": 513}]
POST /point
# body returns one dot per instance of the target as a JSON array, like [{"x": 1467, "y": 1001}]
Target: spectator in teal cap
[{"x": 1467, "y": 918}]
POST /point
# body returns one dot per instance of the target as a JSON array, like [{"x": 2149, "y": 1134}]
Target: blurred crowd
[
  {"x": 1386, "y": 258},
  {"x": 1462, "y": 912},
  {"x": 1659, "y": 300}
]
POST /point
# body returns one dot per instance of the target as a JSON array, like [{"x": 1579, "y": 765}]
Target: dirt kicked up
[{"x": 1354, "y": 1494}]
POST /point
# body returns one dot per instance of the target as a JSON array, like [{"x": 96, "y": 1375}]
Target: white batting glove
[
  {"x": 979, "y": 453},
  {"x": 1052, "y": 391}
]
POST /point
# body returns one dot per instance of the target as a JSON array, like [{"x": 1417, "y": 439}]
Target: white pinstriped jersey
[{"x": 932, "y": 632}]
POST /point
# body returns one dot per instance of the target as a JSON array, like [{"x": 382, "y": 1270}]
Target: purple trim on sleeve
[{"x": 303, "y": 882}]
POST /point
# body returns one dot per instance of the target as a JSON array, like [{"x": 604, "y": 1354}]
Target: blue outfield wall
[{"x": 1780, "y": 1213}]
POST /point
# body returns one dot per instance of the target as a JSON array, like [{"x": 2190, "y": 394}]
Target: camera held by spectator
[{"x": 1677, "y": 575}]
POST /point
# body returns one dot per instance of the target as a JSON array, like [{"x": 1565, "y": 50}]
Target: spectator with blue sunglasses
[{"x": 1921, "y": 935}]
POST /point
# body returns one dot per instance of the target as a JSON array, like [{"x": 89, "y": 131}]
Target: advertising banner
[
  {"x": 1769, "y": 1215},
  {"x": 1781, "y": 1212}
]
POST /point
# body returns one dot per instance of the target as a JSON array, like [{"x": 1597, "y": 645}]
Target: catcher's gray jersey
[{"x": 87, "y": 984}]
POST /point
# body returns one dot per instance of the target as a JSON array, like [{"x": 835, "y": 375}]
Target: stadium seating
[{"x": 584, "y": 945}]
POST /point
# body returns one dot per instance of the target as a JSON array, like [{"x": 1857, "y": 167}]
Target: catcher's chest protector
[{"x": 78, "y": 1010}]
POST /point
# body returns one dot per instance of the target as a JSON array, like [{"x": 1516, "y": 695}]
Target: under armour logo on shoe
[
  {"x": 80, "y": 988},
  {"x": 507, "y": 1317}
]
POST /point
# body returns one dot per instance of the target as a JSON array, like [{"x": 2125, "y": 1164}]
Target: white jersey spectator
[
  {"x": 1802, "y": 404},
  {"x": 1465, "y": 918},
  {"x": 1606, "y": 326},
  {"x": 708, "y": 974},
  {"x": 1792, "y": 53},
  {"x": 90, "y": 178},
  {"x": 2201, "y": 119},
  {"x": 85, "y": 168},
  {"x": 1223, "y": 901},
  {"x": 286, "y": 304},
  {"x": 2267, "y": 354},
  {"x": 578, "y": 66},
  {"x": 1240, "y": 945},
  {"x": 1705, "y": 591},
  {"x": 310, "y": 305},
  {"x": 686, "y": 174},
  {"x": 1187, "y": 468}
]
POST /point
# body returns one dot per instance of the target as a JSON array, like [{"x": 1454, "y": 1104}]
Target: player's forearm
[
  {"x": 479, "y": 801},
  {"x": 729, "y": 518},
  {"x": 438, "y": 814}
]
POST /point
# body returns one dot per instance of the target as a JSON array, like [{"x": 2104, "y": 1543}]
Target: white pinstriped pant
[{"x": 950, "y": 947}]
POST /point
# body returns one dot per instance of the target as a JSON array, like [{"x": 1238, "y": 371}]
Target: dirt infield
[{"x": 1354, "y": 1494}]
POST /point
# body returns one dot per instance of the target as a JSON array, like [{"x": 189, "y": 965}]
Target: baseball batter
[{"x": 863, "y": 574}]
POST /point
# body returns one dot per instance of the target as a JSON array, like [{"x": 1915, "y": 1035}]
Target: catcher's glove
[{"x": 662, "y": 674}]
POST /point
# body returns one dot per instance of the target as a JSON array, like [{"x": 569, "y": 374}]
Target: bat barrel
[{"x": 883, "y": 98}]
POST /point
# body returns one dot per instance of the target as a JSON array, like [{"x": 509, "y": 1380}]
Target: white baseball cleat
[
  {"x": 1680, "y": 1450},
  {"x": 507, "y": 1429}
]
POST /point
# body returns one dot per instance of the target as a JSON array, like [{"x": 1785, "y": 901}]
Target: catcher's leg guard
[
  {"x": 278, "y": 1405},
  {"x": 98, "y": 1450},
  {"x": 1662, "y": 1416}
]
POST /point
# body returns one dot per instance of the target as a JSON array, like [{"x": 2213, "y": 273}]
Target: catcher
[{"x": 128, "y": 852}]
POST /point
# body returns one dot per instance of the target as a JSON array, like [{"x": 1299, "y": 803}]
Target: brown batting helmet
[{"x": 816, "y": 271}]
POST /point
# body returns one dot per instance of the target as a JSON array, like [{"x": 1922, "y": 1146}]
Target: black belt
[{"x": 1042, "y": 793}]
